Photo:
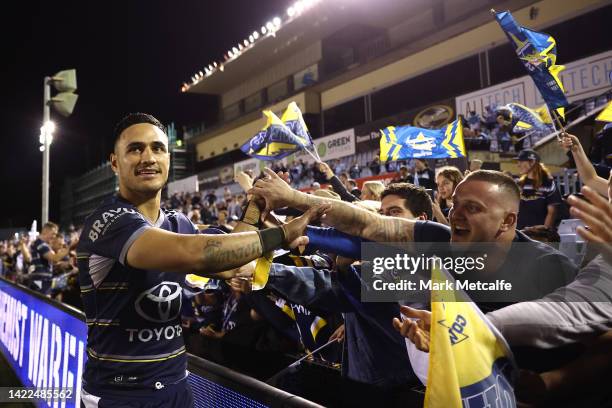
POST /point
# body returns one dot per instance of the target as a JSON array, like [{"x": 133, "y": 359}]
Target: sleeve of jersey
[
  {"x": 309, "y": 287},
  {"x": 43, "y": 248},
  {"x": 553, "y": 197},
  {"x": 334, "y": 241},
  {"x": 339, "y": 188},
  {"x": 112, "y": 233},
  {"x": 551, "y": 324},
  {"x": 553, "y": 271},
  {"x": 429, "y": 231},
  {"x": 194, "y": 228}
]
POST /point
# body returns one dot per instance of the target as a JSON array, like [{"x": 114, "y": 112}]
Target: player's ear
[{"x": 113, "y": 162}]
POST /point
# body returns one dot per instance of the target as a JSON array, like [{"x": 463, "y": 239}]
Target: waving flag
[
  {"x": 538, "y": 53},
  {"x": 407, "y": 142},
  {"x": 470, "y": 363},
  {"x": 606, "y": 114},
  {"x": 526, "y": 120},
  {"x": 274, "y": 141},
  {"x": 293, "y": 119}
]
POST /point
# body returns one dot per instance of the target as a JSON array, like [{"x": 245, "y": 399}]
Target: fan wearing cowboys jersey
[{"x": 132, "y": 259}]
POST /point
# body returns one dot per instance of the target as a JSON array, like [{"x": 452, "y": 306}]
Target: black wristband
[{"x": 271, "y": 239}]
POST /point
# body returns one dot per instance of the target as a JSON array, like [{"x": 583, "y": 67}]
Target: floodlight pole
[{"x": 47, "y": 147}]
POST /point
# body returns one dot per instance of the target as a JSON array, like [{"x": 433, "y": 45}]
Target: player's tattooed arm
[
  {"x": 206, "y": 255},
  {"x": 156, "y": 249},
  {"x": 221, "y": 253}
]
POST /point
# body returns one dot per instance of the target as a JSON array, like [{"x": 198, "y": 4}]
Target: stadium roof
[{"x": 320, "y": 20}]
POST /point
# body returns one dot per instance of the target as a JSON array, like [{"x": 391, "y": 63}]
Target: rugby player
[{"x": 132, "y": 258}]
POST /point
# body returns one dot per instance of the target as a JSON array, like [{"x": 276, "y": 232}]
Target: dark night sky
[{"x": 129, "y": 56}]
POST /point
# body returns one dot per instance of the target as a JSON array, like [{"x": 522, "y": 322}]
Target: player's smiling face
[{"x": 141, "y": 159}]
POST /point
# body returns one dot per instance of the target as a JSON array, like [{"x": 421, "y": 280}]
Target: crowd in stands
[
  {"x": 208, "y": 207},
  {"x": 309, "y": 299},
  {"x": 229, "y": 312},
  {"x": 44, "y": 262}
]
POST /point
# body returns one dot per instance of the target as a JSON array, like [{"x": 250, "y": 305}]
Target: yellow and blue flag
[
  {"x": 538, "y": 53},
  {"x": 293, "y": 119},
  {"x": 274, "y": 141},
  {"x": 526, "y": 120},
  {"x": 408, "y": 142},
  {"x": 606, "y": 114},
  {"x": 470, "y": 363}
]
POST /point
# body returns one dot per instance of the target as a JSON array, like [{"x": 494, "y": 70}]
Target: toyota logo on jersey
[{"x": 160, "y": 303}]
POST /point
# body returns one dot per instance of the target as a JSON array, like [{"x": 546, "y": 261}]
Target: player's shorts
[{"x": 172, "y": 396}]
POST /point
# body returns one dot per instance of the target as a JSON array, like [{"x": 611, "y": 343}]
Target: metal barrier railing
[{"x": 232, "y": 389}]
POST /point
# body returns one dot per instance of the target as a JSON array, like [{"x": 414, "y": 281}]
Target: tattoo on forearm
[
  {"x": 349, "y": 219},
  {"x": 381, "y": 229},
  {"x": 223, "y": 256},
  {"x": 396, "y": 230}
]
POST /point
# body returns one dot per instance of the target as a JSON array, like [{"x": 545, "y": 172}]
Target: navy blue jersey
[
  {"x": 535, "y": 201},
  {"x": 134, "y": 337},
  {"x": 40, "y": 268}
]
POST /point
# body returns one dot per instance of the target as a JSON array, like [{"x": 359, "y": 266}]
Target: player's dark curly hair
[{"x": 133, "y": 119}]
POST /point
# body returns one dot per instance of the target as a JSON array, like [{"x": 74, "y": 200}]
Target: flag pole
[
  {"x": 316, "y": 158},
  {"x": 297, "y": 362},
  {"x": 553, "y": 116},
  {"x": 558, "y": 119}
]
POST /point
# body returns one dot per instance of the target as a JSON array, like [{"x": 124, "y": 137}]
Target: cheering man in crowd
[
  {"x": 42, "y": 259},
  {"x": 579, "y": 312},
  {"x": 485, "y": 209},
  {"x": 132, "y": 257}
]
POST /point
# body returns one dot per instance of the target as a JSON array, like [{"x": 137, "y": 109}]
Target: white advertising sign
[
  {"x": 585, "y": 78},
  {"x": 330, "y": 147}
]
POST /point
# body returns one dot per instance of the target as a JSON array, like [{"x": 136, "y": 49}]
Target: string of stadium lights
[{"x": 267, "y": 30}]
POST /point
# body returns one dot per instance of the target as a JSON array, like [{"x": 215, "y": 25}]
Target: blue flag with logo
[
  {"x": 526, "y": 120},
  {"x": 408, "y": 142},
  {"x": 275, "y": 141},
  {"x": 538, "y": 53}
]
